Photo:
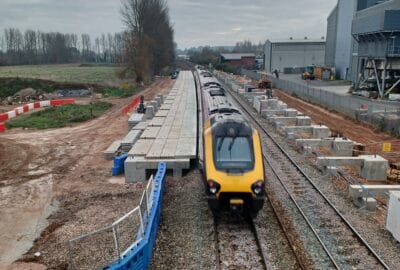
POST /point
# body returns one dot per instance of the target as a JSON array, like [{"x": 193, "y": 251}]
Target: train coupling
[{"x": 236, "y": 205}]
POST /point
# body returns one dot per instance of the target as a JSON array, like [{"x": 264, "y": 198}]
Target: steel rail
[{"x": 294, "y": 163}]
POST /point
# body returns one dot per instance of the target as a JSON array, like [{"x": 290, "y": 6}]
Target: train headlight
[
  {"x": 213, "y": 187},
  {"x": 258, "y": 187}
]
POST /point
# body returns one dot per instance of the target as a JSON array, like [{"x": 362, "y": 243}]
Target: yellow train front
[{"x": 233, "y": 162}]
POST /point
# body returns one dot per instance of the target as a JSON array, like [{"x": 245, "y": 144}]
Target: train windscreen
[{"x": 233, "y": 154}]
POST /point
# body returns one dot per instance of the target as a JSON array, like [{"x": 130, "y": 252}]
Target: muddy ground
[{"x": 56, "y": 185}]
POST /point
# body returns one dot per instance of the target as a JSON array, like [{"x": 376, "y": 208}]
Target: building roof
[
  {"x": 298, "y": 41},
  {"x": 236, "y": 56}
]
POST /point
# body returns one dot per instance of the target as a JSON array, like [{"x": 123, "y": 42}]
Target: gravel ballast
[{"x": 185, "y": 238}]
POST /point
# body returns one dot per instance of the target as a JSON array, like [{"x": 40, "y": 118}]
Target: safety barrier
[
  {"x": 31, "y": 106},
  {"x": 128, "y": 242},
  {"x": 119, "y": 165},
  {"x": 131, "y": 105}
]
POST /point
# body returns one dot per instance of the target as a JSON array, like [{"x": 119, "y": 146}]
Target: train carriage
[{"x": 233, "y": 163}]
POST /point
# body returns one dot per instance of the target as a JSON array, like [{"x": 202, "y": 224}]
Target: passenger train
[{"x": 232, "y": 155}]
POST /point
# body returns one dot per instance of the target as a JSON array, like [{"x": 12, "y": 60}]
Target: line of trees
[
  {"x": 36, "y": 47},
  {"x": 150, "y": 44}
]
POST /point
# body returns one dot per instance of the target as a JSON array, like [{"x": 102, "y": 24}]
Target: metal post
[
  {"x": 141, "y": 222},
  {"x": 114, "y": 229},
  {"x": 384, "y": 77},
  {"x": 377, "y": 79}
]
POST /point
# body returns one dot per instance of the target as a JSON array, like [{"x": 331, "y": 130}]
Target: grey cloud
[{"x": 196, "y": 22}]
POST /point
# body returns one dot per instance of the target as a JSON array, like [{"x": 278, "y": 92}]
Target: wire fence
[{"x": 104, "y": 246}]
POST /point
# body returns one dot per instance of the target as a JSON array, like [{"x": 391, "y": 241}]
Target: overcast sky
[{"x": 196, "y": 22}]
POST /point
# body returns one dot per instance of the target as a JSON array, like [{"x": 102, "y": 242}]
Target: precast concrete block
[
  {"x": 320, "y": 132},
  {"x": 161, "y": 98},
  {"x": 150, "y": 112},
  {"x": 342, "y": 147},
  {"x": 135, "y": 119},
  {"x": 291, "y": 113},
  {"x": 303, "y": 121},
  {"x": 282, "y": 105},
  {"x": 324, "y": 162},
  {"x": 257, "y": 104},
  {"x": 155, "y": 105},
  {"x": 268, "y": 113},
  {"x": 374, "y": 168},
  {"x": 133, "y": 174},
  {"x": 393, "y": 217},
  {"x": 273, "y": 104},
  {"x": 159, "y": 103}
]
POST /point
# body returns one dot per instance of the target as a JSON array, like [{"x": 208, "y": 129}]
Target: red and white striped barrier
[{"x": 31, "y": 106}]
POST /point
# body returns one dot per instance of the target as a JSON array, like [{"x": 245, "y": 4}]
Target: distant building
[
  {"x": 376, "y": 47},
  {"x": 339, "y": 38},
  {"x": 293, "y": 55},
  {"x": 239, "y": 60}
]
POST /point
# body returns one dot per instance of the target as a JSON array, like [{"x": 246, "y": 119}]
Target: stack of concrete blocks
[
  {"x": 371, "y": 168},
  {"x": 338, "y": 146},
  {"x": 130, "y": 139},
  {"x": 170, "y": 135},
  {"x": 315, "y": 131},
  {"x": 250, "y": 97},
  {"x": 111, "y": 151},
  {"x": 364, "y": 195},
  {"x": 135, "y": 119},
  {"x": 393, "y": 217}
]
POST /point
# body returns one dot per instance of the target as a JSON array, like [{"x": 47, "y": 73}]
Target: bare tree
[{"x": 150, "y": 46}]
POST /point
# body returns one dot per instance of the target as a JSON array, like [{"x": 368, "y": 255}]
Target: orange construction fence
[
  {"x": 131, "y": 105},
  {"x": 59, "y": 102}
]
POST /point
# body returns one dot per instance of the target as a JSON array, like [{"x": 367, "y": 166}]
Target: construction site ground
[
  {"x": 55, "y": 185},
  {"x": 339, "y": 123}
]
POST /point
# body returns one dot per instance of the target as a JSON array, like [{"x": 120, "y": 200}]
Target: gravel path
[{"x": 186, "y": 235}]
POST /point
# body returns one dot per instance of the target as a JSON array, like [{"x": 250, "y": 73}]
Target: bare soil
[
  {"x": 60, "y": 174},
  {"x": 347, "y": 127}
]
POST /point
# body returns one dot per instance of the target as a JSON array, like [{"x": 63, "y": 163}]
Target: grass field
[
  {"x": 57, "y": 117},
  {"x": 63, "y": 73}
]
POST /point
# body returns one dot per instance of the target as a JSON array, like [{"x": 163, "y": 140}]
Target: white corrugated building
[{"x": 293, "y": 54}]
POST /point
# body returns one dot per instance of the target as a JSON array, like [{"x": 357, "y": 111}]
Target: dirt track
[{"x": 61, "y": 173}]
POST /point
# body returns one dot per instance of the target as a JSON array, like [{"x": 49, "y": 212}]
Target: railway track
[
  {"x": 237, "y": 244},
  {"x": 340, "y": 245}
]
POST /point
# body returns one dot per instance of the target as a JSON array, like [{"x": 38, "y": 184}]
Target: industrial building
[
  {"x": 293, "y": 55},
  {"x": 376, "y": 50},
  {"x": 339, "y": 38},
  {"x": 239, "y": 60},
  {"x": 363, "y": 44}
]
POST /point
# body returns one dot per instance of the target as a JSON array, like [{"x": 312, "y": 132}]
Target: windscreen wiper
[{"x": 220, "y": 144}]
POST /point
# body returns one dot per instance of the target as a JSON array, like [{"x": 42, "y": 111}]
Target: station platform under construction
[{"x": 170, "y": 136}]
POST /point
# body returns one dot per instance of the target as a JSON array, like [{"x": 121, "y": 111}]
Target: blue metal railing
[{"x": 140, "y": 256}]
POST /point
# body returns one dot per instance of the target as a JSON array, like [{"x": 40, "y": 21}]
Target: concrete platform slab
[
  {"x": 141, "y": 147},
  {"x": 109, "y": 153},
  {"x": 157, "y": 122},
  {"x": 141, "y": 126},
  {"x": 150, "y": 133}
]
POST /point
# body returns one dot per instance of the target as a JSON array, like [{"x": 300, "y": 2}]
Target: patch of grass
[
  {"x": 63, "y": 73},
  {"x": 120, "y": 92},
  {"x": 57, "y": 117}
]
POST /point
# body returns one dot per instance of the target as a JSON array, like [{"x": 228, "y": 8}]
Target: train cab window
[{"x": 233, "y": 154}]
